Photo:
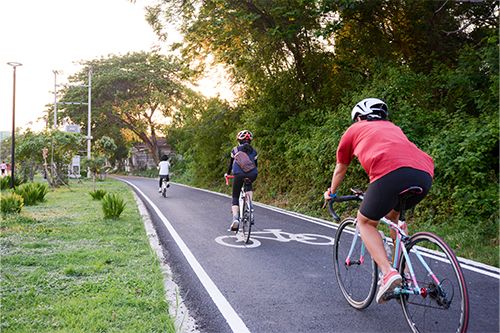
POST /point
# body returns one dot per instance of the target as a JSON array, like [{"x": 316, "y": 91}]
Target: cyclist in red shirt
[{"x": 393, "y": 163}]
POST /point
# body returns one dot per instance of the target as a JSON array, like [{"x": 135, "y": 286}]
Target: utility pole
[
  {"x": 13, "y": 147},
  {"x": 89, "y": 136}
]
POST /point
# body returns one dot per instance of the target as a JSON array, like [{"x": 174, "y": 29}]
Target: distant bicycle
[
  {"x": 433, "y": 293},
  {"x": 246, "y": 211}
]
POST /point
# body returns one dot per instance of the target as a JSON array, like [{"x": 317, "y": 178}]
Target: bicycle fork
[{"x": 361, "y": 259}]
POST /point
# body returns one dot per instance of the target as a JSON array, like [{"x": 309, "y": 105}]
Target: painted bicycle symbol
[{"x": 275, "y": 235}]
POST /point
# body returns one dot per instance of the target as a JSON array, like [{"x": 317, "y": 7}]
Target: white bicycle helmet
[
  {"x": 244, "y": 135},
  {"x": 373, "y": 108}
]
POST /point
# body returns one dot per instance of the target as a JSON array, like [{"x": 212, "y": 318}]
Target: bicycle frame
[
  {"x": 244, "y": 198},
  {"x": 400, "y": 248}
]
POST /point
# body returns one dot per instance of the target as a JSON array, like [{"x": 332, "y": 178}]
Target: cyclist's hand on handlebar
[
  {"x": 328, "y": 195},
  {"x": 227, "y": 177}
]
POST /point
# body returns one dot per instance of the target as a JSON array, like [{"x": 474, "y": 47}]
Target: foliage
[
  {"x": 207, "y": 153},
  {"x": 303, "y": 65},
  {"x": 105, "y": 146},
  {"x": 133, "y": 92},
  {"x": 60, "y": 148},
  {"x": 96, "y": 165},
  {"x": 11, "y": 203},
  {"x": 112, "y": 206},
  {"x": 32, "y": 193},
  {"x": 42, "y": 190},
  {"x": 98, "y": 194},
  {"x": 5, "y": 182}
]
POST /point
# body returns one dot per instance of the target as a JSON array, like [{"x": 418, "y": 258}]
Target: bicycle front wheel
[
  {"x": 246, "y": 222},
  {"x": 442, "y": 303},
  {"x": 355, "y": 270}
]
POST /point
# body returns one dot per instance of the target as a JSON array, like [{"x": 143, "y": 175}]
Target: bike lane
[{"x": 286, "y": 283}]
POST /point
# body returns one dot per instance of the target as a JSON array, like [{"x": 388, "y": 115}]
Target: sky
[{"x": 48, "y": 35}]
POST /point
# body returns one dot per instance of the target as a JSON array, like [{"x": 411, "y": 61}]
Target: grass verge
[{"x": 64, "y": 268}]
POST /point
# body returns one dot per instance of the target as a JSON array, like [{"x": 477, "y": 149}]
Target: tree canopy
[
  {"x": 302, "y": 65},
  {"x": 135, "y": 93}
]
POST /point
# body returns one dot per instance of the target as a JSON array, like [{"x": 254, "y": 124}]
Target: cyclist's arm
[
  {"x": 230, "y": 167},
  {"x": 338, "y": 176}
]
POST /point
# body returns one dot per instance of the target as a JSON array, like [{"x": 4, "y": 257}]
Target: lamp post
[
  {"x": 55, "y": 98},
  {"x": 13, "y": 147}
]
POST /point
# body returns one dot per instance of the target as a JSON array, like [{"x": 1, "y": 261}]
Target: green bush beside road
[{"x": 67, "y": 269}]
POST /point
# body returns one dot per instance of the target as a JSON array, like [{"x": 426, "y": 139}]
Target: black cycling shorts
[
  {"x": 238, "y": 183},
  {"x": 383, "y": 194}
]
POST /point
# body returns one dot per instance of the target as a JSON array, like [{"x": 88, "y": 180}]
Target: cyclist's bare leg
[
  {"x": 235, "y": 210},
  {"x": 250, "y": 195},
  {"x": 373, "y": 242},
  {"x": 394, "y": 217}
]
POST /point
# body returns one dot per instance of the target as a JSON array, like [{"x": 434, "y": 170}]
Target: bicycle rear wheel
[
  {"x": 246, "y": 221},
  {"x": 356, "y": 274},
  {"x": 443, "y": 302},
  {"x": 164, "y": 188}
]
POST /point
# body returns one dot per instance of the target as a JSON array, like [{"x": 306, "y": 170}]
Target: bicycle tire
[
  {"x": 445, "y": 306},
  {"x": 164, "y": 189},
  {"x": 246, "y": 225},
  {"x": 358, "y": 281}
]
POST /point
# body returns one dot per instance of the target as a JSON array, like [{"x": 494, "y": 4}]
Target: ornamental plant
[
  {"x": 11, "y": 203},
  {"x": 112, "y": 206},
  {"x": 98, "y": 194}
]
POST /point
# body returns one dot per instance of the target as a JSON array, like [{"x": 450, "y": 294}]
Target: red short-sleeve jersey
[{"x": 381, "y": 147}]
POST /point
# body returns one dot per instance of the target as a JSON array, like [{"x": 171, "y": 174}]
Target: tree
[
  {"x": 137, "y": 92},
  {"x": 50, "y": 151}
]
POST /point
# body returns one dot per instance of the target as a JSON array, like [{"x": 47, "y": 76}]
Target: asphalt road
[{"x": 285, "y": 281}]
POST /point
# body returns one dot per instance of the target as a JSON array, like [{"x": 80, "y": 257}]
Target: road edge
[{"x": 184, "y": 322}]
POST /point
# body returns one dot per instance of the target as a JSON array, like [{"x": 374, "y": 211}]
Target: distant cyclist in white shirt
[{"x": 164, "y": 168}]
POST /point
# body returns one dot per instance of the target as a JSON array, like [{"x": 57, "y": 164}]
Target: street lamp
[{"x": 13, "y": 148}]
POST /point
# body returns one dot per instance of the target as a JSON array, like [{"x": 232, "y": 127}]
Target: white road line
[
  {"x": 471, "y": 265},
  {"x": 232, "y": 318}
]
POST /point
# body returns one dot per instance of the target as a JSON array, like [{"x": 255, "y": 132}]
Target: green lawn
[{"x": 64, "y": 268}]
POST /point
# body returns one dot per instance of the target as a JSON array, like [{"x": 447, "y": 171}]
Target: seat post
[{"x": 402, "y": 217}]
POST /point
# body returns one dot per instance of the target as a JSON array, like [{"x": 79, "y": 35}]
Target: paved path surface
[{"x": 283, "y": 283}]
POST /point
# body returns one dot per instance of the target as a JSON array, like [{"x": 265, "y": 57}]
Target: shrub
[
  {"x": 29, "y": 192},
  {"x": 112, "y": 206},
  {"x": 5, "y": 182},
  {"x": 97, "y": 194},
  {"x": 42, "y": 190},
  {"x": 11, "y": 203}
]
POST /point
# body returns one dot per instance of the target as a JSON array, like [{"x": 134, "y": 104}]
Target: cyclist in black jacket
[{"x": 244, "y": 139}]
